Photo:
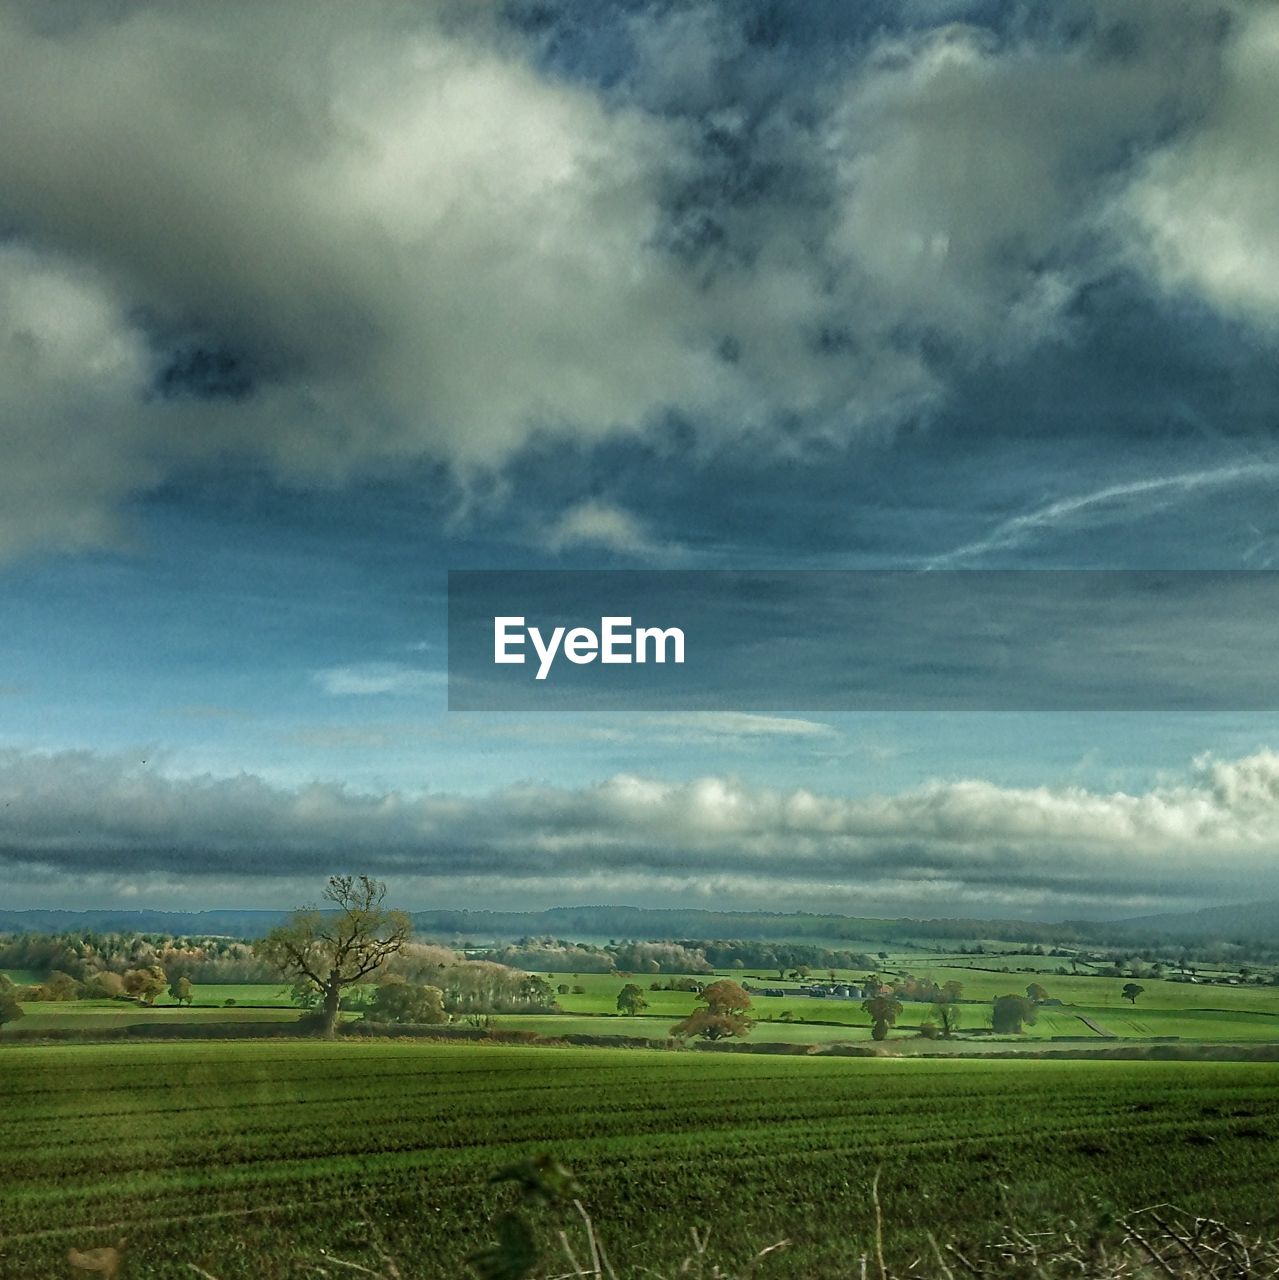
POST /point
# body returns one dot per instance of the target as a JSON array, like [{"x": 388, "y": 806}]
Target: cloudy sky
[{"x": 304, "y": 304}]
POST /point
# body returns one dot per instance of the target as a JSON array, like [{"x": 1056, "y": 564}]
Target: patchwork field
[
  {"x": 250, "y": 1159},
  {"x": 1243, "y": 1014},
  {"x": 1210, "y": 1013},
  {"x": 238, "y": 1002}
]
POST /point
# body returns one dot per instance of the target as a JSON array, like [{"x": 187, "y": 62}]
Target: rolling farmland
[
  {"x": 1212, "y": 1014},
  {"x": 249, "y": 1159}
]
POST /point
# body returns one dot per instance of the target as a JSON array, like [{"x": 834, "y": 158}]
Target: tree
[
  {"x": 1131, "y": 991},
  {"x": 711, "y": 1025},
  {"x": 181, "y": 990},
  {"x": 1010, "y": 1014},
  {"x": 952, "y": 990},
  {"x": 327, "y": 951},
  {"x": 630, "y": 1000},
  {"x": 60, "y": 986},
  {"x": 725, "y": 996},
  {"x": 410, "y": 1002},
  {"x": 724, "y": 1016},
  {"x": 104, "y": 985},
  {"x": 884, "y": 1011},
  {"x": 145, "y": 984},
  {"x": 947, "y": 1015},
  {"x": 1037, "y": 993},
  {"x": 10, "y": 1009}
]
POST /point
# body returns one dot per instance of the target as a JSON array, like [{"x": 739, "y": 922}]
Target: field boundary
[{"x": 1115, "y": 1049}]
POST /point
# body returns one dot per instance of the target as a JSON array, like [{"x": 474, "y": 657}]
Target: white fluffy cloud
[
  {"x": 73, "y": 430},
  {"x": 1206, "y": 206},
  {"x": 973, "y": 172},
  {"x": 945, "y": 845},
  {"x": 599, "y": 524},
  {"x": 424, "y": 247},
  {"x": 401, "y": 239}
]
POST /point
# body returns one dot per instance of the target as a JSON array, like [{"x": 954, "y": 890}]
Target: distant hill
[
  {"x": 558, "y": 922},
  {"x": 235, "y": 924},
  {"x": 1241, "y": 923}
]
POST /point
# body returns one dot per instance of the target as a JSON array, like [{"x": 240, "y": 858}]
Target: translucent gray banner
[{"x": 1051, "y": 640}]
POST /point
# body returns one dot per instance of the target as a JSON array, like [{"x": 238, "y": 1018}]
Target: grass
[
  {"x": 248, "y": 1159},
  {"x": 93, "y": 1015},
  {"x": 23, "y": 977},
  {"x": 658, "y": 1028},
  {"x": 253, "y": 1002},
  {"x": 1207, "y": 1013},
  {"x": 1246, "y": 1014}
]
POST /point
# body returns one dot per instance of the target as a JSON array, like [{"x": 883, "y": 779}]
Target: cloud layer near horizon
[
  {"x": 961, "y": 847},
  {"x": 332, "y": 240}
]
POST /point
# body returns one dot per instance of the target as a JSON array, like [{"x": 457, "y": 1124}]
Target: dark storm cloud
[
  {"x": 335, "y": 240},
  {"x": 965, "y": 841}
]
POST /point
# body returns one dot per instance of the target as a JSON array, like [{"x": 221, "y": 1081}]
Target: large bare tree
[{"x": 326, "y": 951}]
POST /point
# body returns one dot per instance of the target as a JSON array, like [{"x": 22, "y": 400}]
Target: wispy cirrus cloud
[
  {"x": 1117, "y": 502},
  {"x": 373, "y": 679}
]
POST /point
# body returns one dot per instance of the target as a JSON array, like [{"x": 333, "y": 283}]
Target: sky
[{"x": 303, "y": 305}]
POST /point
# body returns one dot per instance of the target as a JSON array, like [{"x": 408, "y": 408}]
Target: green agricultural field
[
  {"x": 22, "y": 977},
  {"x": 249, "y": 1159},
  {"x": 1244, "y": 1014},
  {"x": 600, "y": 994},
  {"x": 1209, "y": 1025},
  {"x": 270, "y": 995},
  {"x": 96, "y": 1015},
  {"x": 250, "y": 1002},
  {"x": 1086, "y": 990},
  {"x": 658, "y": 1028}
]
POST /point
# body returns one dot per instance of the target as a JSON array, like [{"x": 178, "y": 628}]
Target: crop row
[{"x": 246, "y": 1159}]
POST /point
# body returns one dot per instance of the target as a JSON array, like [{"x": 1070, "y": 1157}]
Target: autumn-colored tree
[
  {"x": 725, "y": 996},
  {"x": 59, "y": 986},
  {"x": 952, "y": 990},
  {"x": 181, "y": 990},
  {"x": 327, "y": 951},
  {"x": 104, "y": 985},
  {"x": 1036, "y": 992},
  {"x": 884, "y": 1012},
  {"x": 725, "y": 1014},
  {"x": 631, "y": 1000},
  {"x": 145, "y": 984},
  {"x": 1131, "y": 991}
]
